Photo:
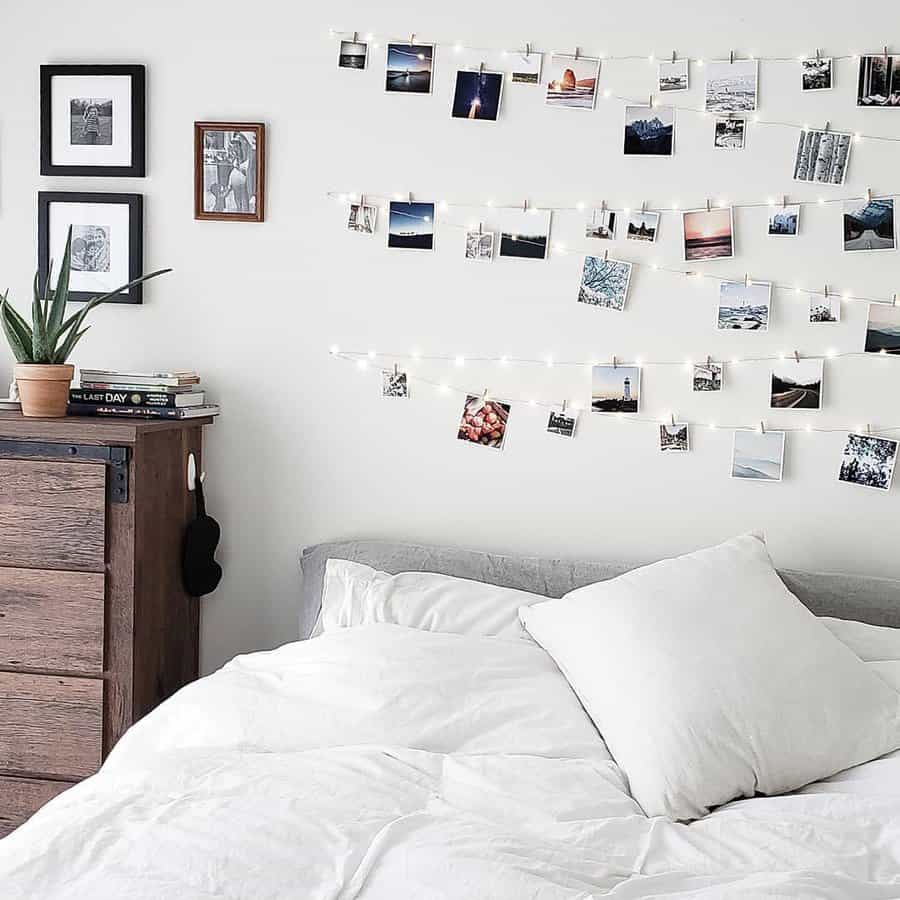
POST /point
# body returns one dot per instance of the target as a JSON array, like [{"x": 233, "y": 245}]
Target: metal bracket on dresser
[{"x": 114, "y": 457}]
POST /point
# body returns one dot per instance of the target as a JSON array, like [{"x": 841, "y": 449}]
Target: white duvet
[{"x": 385, "y": 763}]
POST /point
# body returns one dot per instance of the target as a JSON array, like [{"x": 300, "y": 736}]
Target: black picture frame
[
  {"x": 137, "y": 169},
  {"x": 135, "y": 203}
]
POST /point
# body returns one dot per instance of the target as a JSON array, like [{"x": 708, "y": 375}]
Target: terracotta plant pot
[{"x": 44, "y": 390}]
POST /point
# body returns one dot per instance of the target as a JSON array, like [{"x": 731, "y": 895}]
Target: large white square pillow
[
  {"x": 709, "y": 680},
  {"x": 356, "y": 594}
]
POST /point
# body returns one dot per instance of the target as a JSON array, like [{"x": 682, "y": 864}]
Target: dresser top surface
[{"x": 87, "y": 429}]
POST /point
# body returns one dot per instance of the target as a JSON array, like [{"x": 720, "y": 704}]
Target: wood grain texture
[
  {"x": 52, "y": 621},
  {"x": 85, "y": 429},
  {"x": 20, "y": 798},
  {"x": 52, "y": 514},
  {"x": 50, "y": 725},
  {"x": 166, "y": 618}
]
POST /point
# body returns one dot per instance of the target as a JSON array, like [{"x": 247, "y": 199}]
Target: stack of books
[{"x": 141, "y": 395}]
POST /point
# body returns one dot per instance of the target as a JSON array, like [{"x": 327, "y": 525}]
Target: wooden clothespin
[
  {"x": 731, "y": 57},
  {"x": 762, "y": 427},
  {"x": 868, "y": 195},
  {"x": 783, "y": 201},
  {"x": 362, "y": 199},
  {"x": 577, "y": 50},
  {"x": 396, "y": 370},
  {"x": 409, "y": 197},
  {"x": 894, "y": 299},
  {"x": 484, "y": 396},
  {"x": 480, "y": 228},
  {"x": 708, "y": 362},
  {"x": 527, "y": 49},
  {"x": 525, "y": 205},
  {"x": 868, "y": 429},
  {"x": 825, "y": 292},
  {"x": 355, "y": 37},
  {"x": 746, "y": 280},
  {"x": 481, "y": 68},
  {"x": 564, "y": 405},
  {"x": 602, "y": 206},
  {"x": 707, "y": 204},
  {"x": 606, "y": 256},
  {"x": 827, "y": 127},
  {"x": 412, "y": 38},
  {"x": 885, "y": 50},
  {"x": 650, "y": 102},
  {"x": 797, "y": 355},
  {"x": 673, "y": 57},
  {"x": 615, "y": 363},
  {"x": 818, "y": 54},
  {"x": 673, "y": 420},
  {"x": 643, "y": 206}
]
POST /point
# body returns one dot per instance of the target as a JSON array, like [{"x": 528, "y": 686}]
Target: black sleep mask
[{"x": 201, "y": 572}]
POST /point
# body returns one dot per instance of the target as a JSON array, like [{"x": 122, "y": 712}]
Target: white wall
[{"x": 305, "y": 450}]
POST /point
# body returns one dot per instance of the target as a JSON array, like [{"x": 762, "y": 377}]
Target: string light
[{"x": 561, "y": 249}]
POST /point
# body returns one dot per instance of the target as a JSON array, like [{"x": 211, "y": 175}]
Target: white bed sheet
[{"x": 384, "y": 763}]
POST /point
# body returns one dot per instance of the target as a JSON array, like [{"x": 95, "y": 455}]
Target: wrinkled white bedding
[{"x": 385, "y": 763}]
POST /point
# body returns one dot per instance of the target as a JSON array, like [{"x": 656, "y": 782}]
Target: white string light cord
[
  {"x": 363, "y": 361},
  {"x": 754, "y": 117},
  {"x": 559, "y": 248},
  {"x": 371, "y": 37}
]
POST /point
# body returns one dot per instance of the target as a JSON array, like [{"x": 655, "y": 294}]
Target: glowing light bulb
[
  {"x": 821, "y": 201},
  {"x": 504, "y": 361},
  {"x": 442, "y": 206},
  {"x": 460, "y": 361},
  {"x": 559, "y": 247},
  {"x": 369, "y": 37},
  {"x": 713, "y": 426},
  {"x": 421, "y": 56},
  {"x": 416, "y": 355},
  {"x": 532, "y": 402},
  {"x": 490, "y": 201},
  {"x": 638, "y": 361},
  {"x": 809, "y": 429},
  {"x": 857, "y": 137},
  {"x": 700, "y": 63},
  {"x": 651, "y": 58},
  {"x": 443, "y": 388},
  {"x": 398, "y": 195},
  {"x": 688, "y": 365},
  {"x": 371, "y": 354},
  {"x": 675, "y": 205},
  {"x": 457, "y": 48},
  {"x": 607, "y": 93},
  {"x": 361, "y": 364},
  {"x": 735, "y": 361},
  {"x": 341, "y": 198},
  {"x": 334, "y": 349},
  {"x": 831, "y": 353},
  {"x": 580, "y": 205},
  {"x": 549, "y": 362}
]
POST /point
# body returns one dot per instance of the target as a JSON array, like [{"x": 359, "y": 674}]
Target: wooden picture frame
[
  {"x": 126, "y": 155},
  {"x": 229, "y": 171},
  {"x": 134, "y": 266}
]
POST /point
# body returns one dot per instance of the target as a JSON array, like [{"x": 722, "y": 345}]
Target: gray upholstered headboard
[{"x": 859, "y": 597}]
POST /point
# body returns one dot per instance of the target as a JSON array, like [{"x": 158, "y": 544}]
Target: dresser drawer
[
  {"x": 20, "y": 798},
  {"x": 51, "y": 620},
  {"x": 50, "y": 725},
  {"x": 52, "y": 515}
]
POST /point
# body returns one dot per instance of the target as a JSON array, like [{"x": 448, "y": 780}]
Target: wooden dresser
[{"x": 95, "y": 626}]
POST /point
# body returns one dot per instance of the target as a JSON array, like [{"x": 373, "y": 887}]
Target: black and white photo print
[
  {"x": 525, "y": 67},
  {"x": 784, "y": 221},
  {"x": 479, "y": 245},
  {"x": 824, "y": 309},
  {"x": 362, "y": 218},
  {"x": 394, "y": 384},
  {"x": 730, "y": 132},
  {"x": 708, "y": 376},
  {"x": 744, "y": 305},
  {"x": 562, "y": 422},
  {"x": 731, "y": 85},
  {"x": 524, "y": 234},
  {"x": 822, "y": 156},
  {"x": 674, "y": 437},
  {"x": 868, "y": 461},
  {"x": 601, "y": 224},
  {"x": 673, "y": 75},
  {"x": 816, "y": 73},
  {"x": 92, "y": 120},
  {"x": 353, "y": 55},
  {"x": 878, "y": 85},
  {"x": 641, "y": 225}
]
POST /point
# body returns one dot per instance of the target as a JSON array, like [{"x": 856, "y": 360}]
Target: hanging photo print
[
  {"x": 869, "y": 225},
  {"x": 562, "y": 422},
  {"x": 615, "y": 389},
  {"x": 824, "y": 309},
  {"x": 641, "y": 225},
  {"x": 229, "y": 171},
  {"x": 673, "y": 76},
  {"x": 604, "y": 282},
  {"x": 879, "y": 82},
  {"x": 649, "y": 130},
  {"x": 758, "y": 455},
  {"x": 822, "y": 157},
  {"x": 729, "y": 133},
  {"x": 708, "y": 234},
  {"x": 572, "y": 81},
  {"x": 784, "y": 221},
  {"x": 815, "y": 73},
  {"x": 744, "y": 306},
  {"x": 480, "y": 245},
  {"x": 868, "y": 461},
  {"x": 524, "y": 234},
  {"x": 602, "y": 224},
  {"x": 394, "y": 384},
  {"x": 708, "y": 376},
  {"x": 477, "y": 95},
  {"x": 484, "y": 421},
  {"x": 883, "y": 329},
  {"x": 797, "y": 384},
  {"x": 410, "y": 226},
  {"x": 674, "y": 437},
  {"x": 353, "y": 55},
  {"x": 525, "y": 67},
  {"x": 731, "y": 86},
  {"x": 92, "y": 120},
  {"x": 362, "y": 218},
  {"x": 409, "y": 68}
]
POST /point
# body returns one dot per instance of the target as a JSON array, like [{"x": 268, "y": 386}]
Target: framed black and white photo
[
  {"x": 230, "y": 171},
  {"x": 92, "y": 121},
  {"x": 107, "y": 242}
]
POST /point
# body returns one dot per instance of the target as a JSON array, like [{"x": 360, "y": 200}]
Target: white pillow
[
  {"x": 354, "y": 594},
  {"x": 709, "y": 680},
  {"x": 871, "y": 643}
]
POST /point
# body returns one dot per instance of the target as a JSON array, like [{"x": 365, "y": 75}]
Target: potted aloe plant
[{"x": 41, "y": 349}]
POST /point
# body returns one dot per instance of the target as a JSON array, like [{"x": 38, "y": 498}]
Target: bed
[{"x": 385, "y": 762}]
